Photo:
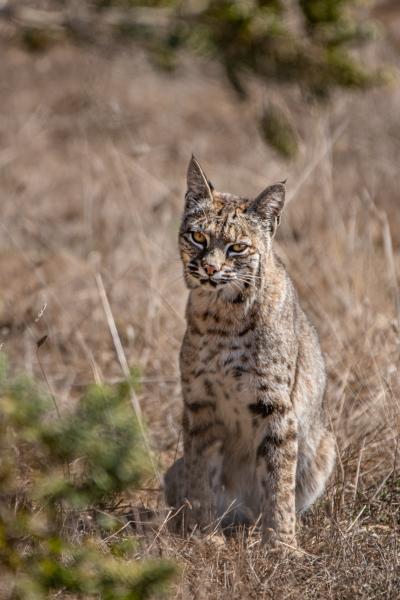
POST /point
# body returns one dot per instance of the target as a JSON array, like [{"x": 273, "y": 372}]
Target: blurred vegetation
[
  {"x": 307, "y": 43},
  {"x": 58, "y": 476}
]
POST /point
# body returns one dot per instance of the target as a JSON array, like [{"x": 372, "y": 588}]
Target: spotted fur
[{"x": 253, "y": 376}]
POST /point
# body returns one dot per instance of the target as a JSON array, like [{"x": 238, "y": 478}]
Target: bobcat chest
[{"x": 225, "y": 375}]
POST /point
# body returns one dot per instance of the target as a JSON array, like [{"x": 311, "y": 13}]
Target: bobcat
[{"x": 253, "y": 376}]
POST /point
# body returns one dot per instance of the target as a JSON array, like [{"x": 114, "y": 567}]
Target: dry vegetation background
[{"x": 93, "y": 152}]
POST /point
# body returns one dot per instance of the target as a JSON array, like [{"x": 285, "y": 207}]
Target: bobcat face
[
  {"x": 223, "y": 238},
  {"x": 220, "y": 250}
]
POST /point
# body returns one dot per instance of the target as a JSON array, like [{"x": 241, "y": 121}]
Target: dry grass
[{"x": 93, "y": 154}]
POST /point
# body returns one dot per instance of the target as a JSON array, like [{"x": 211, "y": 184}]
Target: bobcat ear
[
  {"x": 269, "y": 204},
  {"x": 198, "y": 186}
]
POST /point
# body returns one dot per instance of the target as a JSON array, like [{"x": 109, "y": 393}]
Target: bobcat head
[{"x": 224, "y": 239}]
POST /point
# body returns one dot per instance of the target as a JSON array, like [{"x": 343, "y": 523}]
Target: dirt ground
[{"x": 93, "y": 152}]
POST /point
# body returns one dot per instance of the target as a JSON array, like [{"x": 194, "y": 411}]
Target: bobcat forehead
[
  {"x": 225, "y": 211},
  {"x": 253, "y": 376},
  {"x": 229, "y": 203}
]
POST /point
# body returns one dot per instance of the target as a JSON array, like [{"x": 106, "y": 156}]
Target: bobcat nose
[{"x": 210, "y": 269}]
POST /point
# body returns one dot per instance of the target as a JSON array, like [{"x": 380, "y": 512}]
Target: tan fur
[{"x": 253, "y": 376}]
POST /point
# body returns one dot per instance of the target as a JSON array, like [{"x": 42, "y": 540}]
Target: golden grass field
[{"x": 94, "y": 147}]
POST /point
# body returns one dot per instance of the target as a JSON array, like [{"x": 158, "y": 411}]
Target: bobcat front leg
[
  {"x": 276, "y": 473},
  {"x": 203, "y": 462}
]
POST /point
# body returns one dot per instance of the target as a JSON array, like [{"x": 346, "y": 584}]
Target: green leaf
[{"x": 278, "y": 131}]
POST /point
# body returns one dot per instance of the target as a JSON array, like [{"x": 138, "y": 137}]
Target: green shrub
[{"x": 53, "y": 470}]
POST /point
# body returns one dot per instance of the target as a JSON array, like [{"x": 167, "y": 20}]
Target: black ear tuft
[
  {"x": 198, "y": 185},
  {"x": 269, "y": 204}
]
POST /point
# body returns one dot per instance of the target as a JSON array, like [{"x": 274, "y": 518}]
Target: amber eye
[
  {"x": 237, "y": 248},
  {"x": 198, "y": 237}
]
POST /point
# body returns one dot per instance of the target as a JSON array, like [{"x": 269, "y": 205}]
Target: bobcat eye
[
  {"x": 198, "y": 237},
  {"x": 237, "y": 248}
]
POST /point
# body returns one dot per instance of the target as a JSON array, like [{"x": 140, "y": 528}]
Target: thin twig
[
  {"x": 51, "y": 391},
  {"x": 125, "y": 369},
  {"x": 358, "y": 470},
  {"x": 350, "y": 527}
]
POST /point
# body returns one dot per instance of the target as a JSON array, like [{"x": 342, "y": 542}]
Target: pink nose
[{"x": 210, "y": 269}]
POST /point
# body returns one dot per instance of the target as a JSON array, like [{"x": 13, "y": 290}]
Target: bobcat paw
[{"x": 281, "y": 544}]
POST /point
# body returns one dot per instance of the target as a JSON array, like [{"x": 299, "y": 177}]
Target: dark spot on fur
[
  {"x": 200, "y": 429},
  {"x": 246, "y": 330},
  {"x": 208, "y": 386},
  {"x": 278, "y": 379},
  {"x": 228, "y": 360},
  {"x": 238, "y": 371},
  {"x": 212, "y": 354},
  {"x": 214, "y": 331},
  {"x": 206, "y": 445},
  {"x": 271, "y": 440},
  {"x": 291, "y": 435},
  {"x": 197, "y": 406},
  {"x": 261, "y": 408},
  {"x": 259, "y": 373},
  {"x": 262, "y": 449},
  {"x": 239, "y": 299}
]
